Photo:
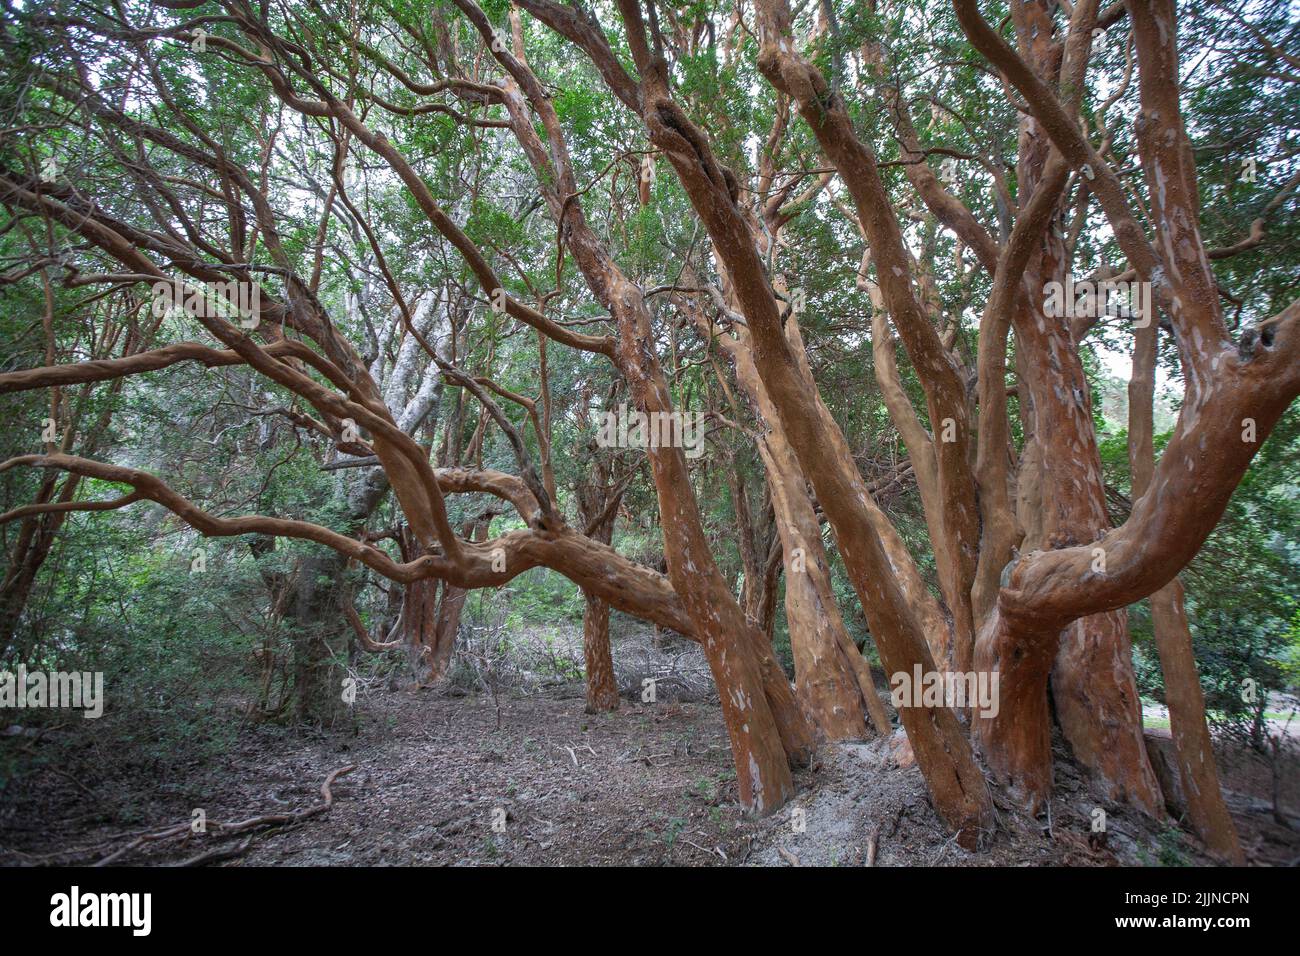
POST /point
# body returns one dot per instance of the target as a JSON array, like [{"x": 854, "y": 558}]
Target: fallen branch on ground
[{"x": 182, "y": 831}]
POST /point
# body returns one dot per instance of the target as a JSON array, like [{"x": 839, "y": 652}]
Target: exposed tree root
[{"x": 181, "y": 832}]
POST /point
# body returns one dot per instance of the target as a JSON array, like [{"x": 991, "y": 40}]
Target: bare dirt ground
[{"x": 444, "y": 779}]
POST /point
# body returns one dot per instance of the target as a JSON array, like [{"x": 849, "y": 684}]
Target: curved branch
[
  {"x": 593, "y": 566},
  {"x": 99, "y": 370},
  {"x": 64, "y": 506},
  {"x": 1210, "y": 450}
]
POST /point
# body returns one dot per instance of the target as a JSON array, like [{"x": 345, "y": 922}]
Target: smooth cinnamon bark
[
  {"x": 602, "y": 688},
  {"x": 825, "y": 678},
  {"x": 942, "y": 750},
  {"x": 419, "y": 627},
  {"x": 1193, "y": 745},
  {"x": 1205, "y": 459},
  {"x": 766, "y": 727},
  {"x": 598, "y": 506},
  {"x": 1099, "y": 711},
  {"x": 1025, "y": 602},
  {"x": 1090, "y": 661},
  {"x": 947, "y": 407}
]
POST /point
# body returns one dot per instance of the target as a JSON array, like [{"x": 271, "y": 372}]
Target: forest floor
[{"x": 447, "y": 779}]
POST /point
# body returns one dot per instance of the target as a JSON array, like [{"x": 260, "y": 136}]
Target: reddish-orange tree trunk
[
  {"x": 1193, "y": 746},
  {"x": 598, "y": 507},
  {"x": 602, "y": 689},
  {"x": 766, "y": 728},
  {"x": 832, "y": 680}
]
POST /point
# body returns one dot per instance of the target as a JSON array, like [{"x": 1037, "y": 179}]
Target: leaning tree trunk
[
  {"x": 765, "y": 725},
  {"x": 1094, "y": 687},
  {"x": 766, "y": 733},
  {"x": 1193, "y": 745},
  {"x": 943, "y": 752},
  {"x": 832, "y": 681}
]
